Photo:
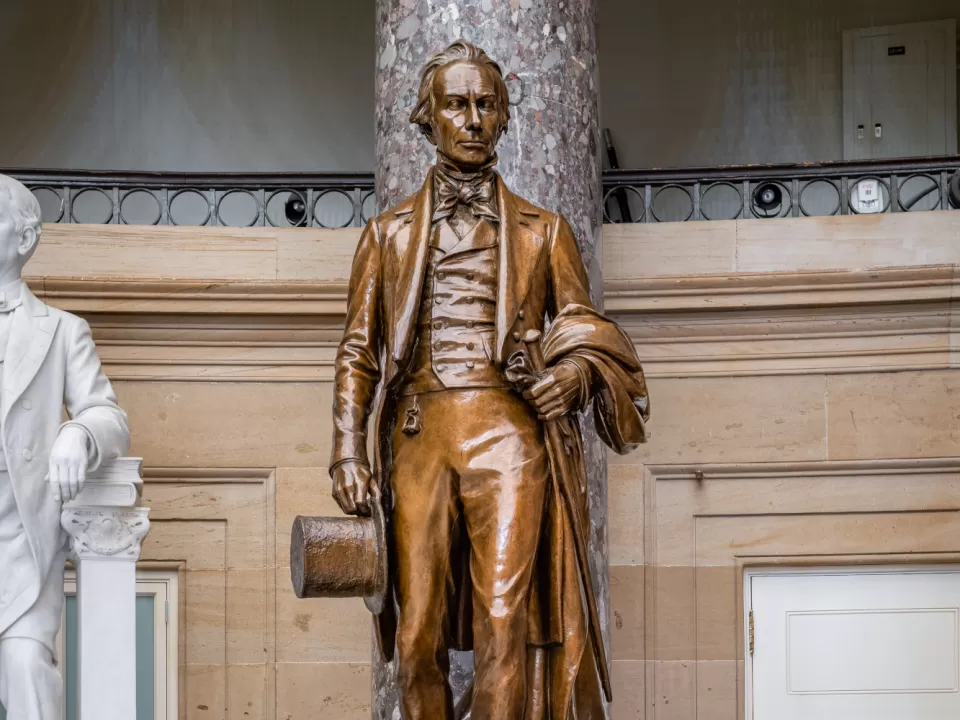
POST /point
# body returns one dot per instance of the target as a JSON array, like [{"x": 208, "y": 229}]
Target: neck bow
[{"x": 474, "y": 190}]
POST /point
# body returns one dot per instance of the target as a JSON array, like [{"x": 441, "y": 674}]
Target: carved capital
[{"x": 104, "y": 533}]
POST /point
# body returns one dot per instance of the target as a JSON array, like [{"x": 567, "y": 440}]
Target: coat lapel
[
  {"x": 520, "y": 250},
  {"x": 31, "y": 333},
  {"x": 411, "y": 251}
]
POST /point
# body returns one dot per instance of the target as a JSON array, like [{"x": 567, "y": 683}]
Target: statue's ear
[{"x": 28, "y": 242}]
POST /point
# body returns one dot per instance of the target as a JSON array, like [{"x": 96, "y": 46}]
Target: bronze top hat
[{"x": 341, "y": 557}]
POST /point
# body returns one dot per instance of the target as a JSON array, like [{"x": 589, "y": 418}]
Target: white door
[
  {"x": 854, "y": 644},
  {"x": 900, "y": 86}
]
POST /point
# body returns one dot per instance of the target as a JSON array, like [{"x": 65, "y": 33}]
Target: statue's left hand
[
  {"x": 556, "y": 393},
  {"x": 68, "y": 463}
]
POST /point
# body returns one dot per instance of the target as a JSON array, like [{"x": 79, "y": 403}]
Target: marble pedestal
[
  {"x": 548, "y": 52},
  {"x": 106, "y": 529}
]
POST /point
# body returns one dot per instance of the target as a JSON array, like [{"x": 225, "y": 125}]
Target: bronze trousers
[{"x": 476, "y": 471}]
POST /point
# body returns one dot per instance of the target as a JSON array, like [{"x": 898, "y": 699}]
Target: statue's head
[
  {"x": 463, "y": 105},
  {"x": 19, "y": 224}
]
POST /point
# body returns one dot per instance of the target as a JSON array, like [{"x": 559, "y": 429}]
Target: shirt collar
[{"x": 11, "y": 295}]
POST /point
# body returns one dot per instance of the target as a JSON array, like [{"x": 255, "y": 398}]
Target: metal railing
[
  {"x": 336, "y": 200},
  {"x": 331, "y": 200},
  {"x": 778, "y": 191}
]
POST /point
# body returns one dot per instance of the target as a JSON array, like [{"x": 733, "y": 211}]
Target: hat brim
[{"x": 377, "y": 600}]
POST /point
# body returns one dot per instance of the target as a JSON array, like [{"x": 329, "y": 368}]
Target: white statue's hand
[{"x": 68, "y": 463}]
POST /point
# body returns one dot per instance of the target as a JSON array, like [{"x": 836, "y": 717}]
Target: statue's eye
[
  {"x": 456, "y": 104},
  {"x": 486, "y": 105}
]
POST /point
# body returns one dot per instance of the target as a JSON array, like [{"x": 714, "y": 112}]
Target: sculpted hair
[
  {"x": 23, "y": 204},
  {"x": 460, "y": 51}
]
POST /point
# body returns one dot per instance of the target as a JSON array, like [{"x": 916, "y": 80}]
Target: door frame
[{"x": 750, "y": 573}]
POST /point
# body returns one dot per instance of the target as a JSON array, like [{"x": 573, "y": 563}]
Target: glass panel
[
  {"x": 145, "y": 657},
  {"x": 70, "y": 659}
]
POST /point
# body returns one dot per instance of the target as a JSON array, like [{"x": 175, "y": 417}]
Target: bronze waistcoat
[{"x": 456, "y": 328}]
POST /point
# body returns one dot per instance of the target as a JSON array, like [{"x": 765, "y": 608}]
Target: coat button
[
  {"x": 469, "y": 346},
  {"x": 469, "y": 323},
  {"x": 27, "y": 455},
  {"x": 438, "y": 325},
  {"x": 441, "y": 276},
  {"x": 438, "y": 300},
  {"x": 470, "y": 365},
  {"x": 27, "y": 405},
  {"x": 520, "y": 314},
  {"x": 516, "y": 336},
  {"x": 441, "y": 368},
  {"x": 470, "y": 277}
]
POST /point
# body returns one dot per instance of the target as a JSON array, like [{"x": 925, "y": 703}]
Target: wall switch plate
[
  {"x": 878, "y": 130},
  {"x": 860, "y": 132}
]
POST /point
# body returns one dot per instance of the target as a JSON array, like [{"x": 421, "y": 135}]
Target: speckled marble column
[{"x": 550, "y": 155}]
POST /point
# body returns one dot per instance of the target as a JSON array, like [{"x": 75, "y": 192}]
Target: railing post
[{"x": 106, "y": 528}]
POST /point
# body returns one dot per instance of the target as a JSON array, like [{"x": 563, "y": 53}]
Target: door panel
[
  {"x": 855, "y": 645},
  {"x": 902, "y": 79}
]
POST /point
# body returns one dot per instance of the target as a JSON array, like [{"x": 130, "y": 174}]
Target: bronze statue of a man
[{"x": 487, "y": 533}]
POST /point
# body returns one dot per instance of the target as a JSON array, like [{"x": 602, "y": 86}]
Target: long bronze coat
[{"x": 540, "y": 274}]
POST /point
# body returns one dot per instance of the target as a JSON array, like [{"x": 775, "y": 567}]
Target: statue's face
[
  {"x": 13, "y": 245},
  {"x": 466, "y": 114}
]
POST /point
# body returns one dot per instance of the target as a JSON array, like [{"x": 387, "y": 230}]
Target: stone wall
[{"x": 803, "y": 380}]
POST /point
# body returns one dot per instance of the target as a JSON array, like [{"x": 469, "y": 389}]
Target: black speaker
[
  {"x": 767, "y": 199},
  {"x": 295, "y": 210}
]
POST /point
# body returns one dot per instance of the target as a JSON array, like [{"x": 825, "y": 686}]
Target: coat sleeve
[
  {"x": 90, "y": 401},
  {"x": 569, "y": 284},
  {"x": 357, "y": 369}
]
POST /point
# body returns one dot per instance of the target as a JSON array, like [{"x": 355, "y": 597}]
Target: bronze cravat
[{"x": 474, "y": 190}]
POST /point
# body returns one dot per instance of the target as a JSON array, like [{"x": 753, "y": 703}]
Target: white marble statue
[{"x": 49, "y": 363}]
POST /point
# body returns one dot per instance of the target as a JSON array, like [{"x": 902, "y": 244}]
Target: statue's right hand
[{"x": 352, "y": 486}]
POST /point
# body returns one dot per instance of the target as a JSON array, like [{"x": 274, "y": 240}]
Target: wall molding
[
  {"x": 804, "y": 469},
  {"x": 700, "y": 326}
]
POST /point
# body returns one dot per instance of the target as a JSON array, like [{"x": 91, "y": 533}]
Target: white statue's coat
[{"x": 50, "y": 363}]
